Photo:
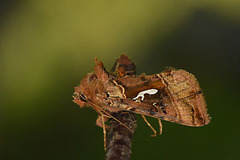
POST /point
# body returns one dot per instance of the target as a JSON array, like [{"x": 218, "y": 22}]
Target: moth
[{"x": 173, "y": 95}]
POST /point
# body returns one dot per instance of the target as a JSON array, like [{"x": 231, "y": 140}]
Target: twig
[{"x": 119, "y": 138}]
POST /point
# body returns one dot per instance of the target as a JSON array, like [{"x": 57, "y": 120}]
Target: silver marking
[{"x": 141, "y": 94}]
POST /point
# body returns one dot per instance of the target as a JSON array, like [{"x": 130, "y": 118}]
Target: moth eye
[{"x": 83, "y": 97}]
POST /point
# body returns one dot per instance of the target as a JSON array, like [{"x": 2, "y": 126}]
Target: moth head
[
  {"x": 83, "y": 92},
  {"x": 92, "y": 87}
]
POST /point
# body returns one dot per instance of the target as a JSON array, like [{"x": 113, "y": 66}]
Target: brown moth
[{"x": 173, "y": 95}]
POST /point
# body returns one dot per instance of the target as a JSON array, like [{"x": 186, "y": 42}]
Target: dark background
[{"x": 46, "y": 47}]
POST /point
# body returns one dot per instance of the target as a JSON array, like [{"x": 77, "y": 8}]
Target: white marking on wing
[{"x": 141, "y": 94}]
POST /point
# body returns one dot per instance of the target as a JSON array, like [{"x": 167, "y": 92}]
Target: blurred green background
[{"x": 46, "y": 47}]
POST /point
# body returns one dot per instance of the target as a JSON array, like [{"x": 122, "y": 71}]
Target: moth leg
[
  {"x": 155, "y": 132},
  {"x": 159, "y": 120},
  {"x": 160, "y": 125},
  {"x": 104, "y": 133},
  {"x": 99, "y": 121}
]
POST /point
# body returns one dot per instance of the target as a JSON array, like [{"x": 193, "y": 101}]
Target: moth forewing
[{"x": 173, "y": 95}]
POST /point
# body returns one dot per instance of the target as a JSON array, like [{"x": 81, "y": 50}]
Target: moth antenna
[
  {"x": 108, "y": 114},
  {"x": 117, "y": 120}
]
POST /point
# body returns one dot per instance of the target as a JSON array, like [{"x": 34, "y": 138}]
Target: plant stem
[{"x": 119, "y": 138}]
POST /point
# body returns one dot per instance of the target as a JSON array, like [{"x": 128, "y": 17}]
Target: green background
[{"x": 46, "y": 47}]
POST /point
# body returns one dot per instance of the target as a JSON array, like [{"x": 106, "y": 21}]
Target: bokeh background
[{"x": 46, "y": 47}]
